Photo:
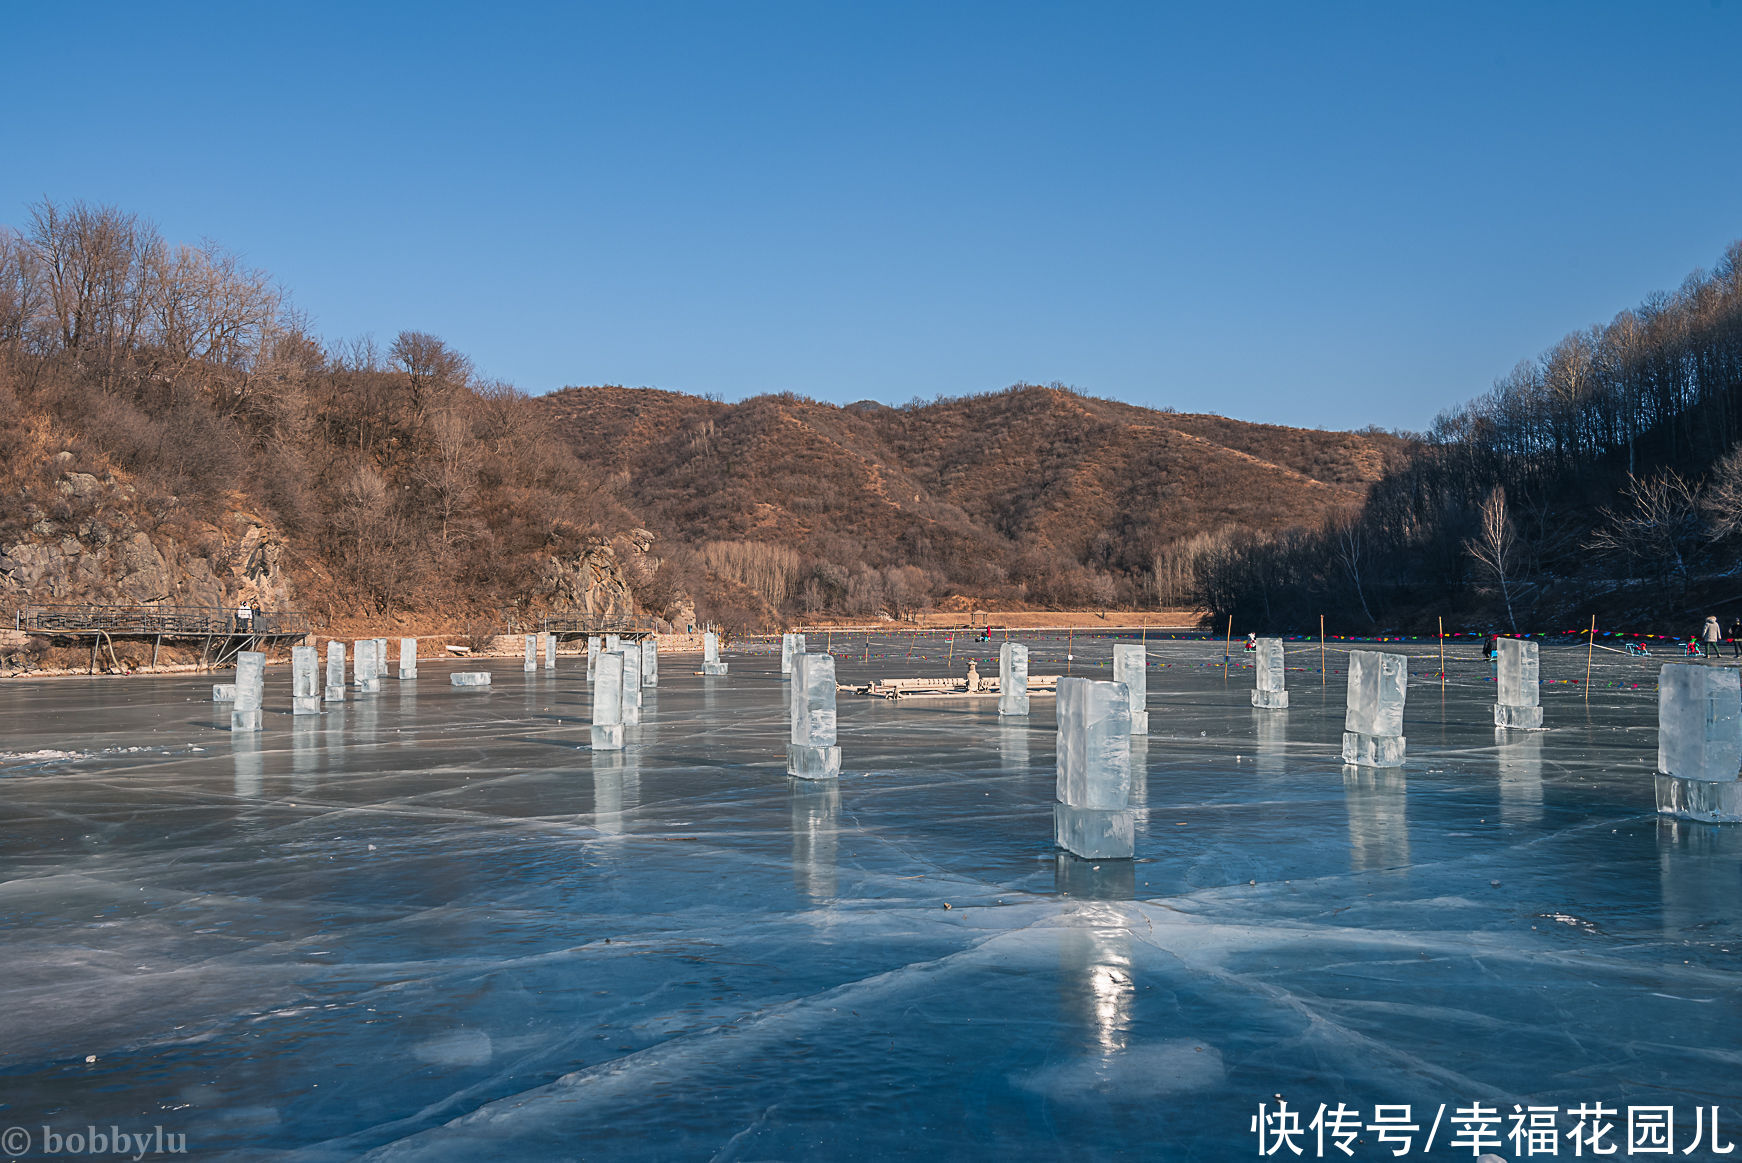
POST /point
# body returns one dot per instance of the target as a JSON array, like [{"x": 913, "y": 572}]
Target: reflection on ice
[
  {"x": 816, "y": 809},
  {"x": 1376, "y": 798},
  {"x": 1520, "y": 757},
  {"x": 616, "y": 789},
  {"x": 1095, "y": 979},
  {"x": 1700, "y": 876},
  {"x": 1270, "y": 731},
  {"x": 245, "y": 750}
]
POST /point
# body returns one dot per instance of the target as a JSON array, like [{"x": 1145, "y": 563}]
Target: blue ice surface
[{"x": 431, "y": 924}]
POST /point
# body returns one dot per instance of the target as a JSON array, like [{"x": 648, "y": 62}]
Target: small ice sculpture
[
  {"x": 250, "y": 691},
  {"x": 408, "y": 658},
  {"x": 335, "y": 692},
  {"x": 1271, "y": 693},
  {"x": 223, "y": 692},
  {"x": 631, "y": 653},
  {"x": 813, "y": 753},
  {"x": 305, "y": 696},
  {"x": 594, "y": 647},
  {"x": 531, "y": 653},
  {"x": 607, "y": 732},
  {"x": 1373, "y": 724},
  {"x": 711, "y": 663},
  {"x": 649, "y": 662},
  {"x": 470, "y": 678},
  {"x": 1699, "y": 742},
  {"x": 1013, "y": 679},
  {"x": 1520, "y": 703},
  {"x": 1092, "y": 817},
  {"x": 1131, "y": 667}
]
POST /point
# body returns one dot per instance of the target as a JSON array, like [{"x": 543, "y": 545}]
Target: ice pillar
[
  {"x": 1272, "y": 692},
  {"x": 813, "y": 753},
  {"x": 1092, "y": 817},
  {"x": 305, "y": 698},
  {"x": 335, "y": 692},
  {"x": 649, "y": 662},
  {"x": 594, "y": 646},
  {"x": 1131, "y": 667},
  {"x": 408, "y": 658},
  {"x": 365, "y": 666},
  {"x": 1013, "y": 679},
  {"x": 250, "y": 691},
  {"x": 531, "y": 653},
  {"x": 631, "y": 655},
  {"x": 791, "y": 646},
  {"x": 1699, "y": 741},
  {"x": 711, "y": 663},
  {"x": 549, "y": 651},
  {"x": 1373, "y": 723},
  {"x": 608, "y": 702},
  {"x": 1520, "y": 703}
]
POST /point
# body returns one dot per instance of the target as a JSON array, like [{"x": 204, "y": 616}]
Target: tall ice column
[
  {"x": 1373, "y": 723},
  {"x": 1092, "y": 817},
  {"x": 335, "y": 692},
  {"x": 408, "y": 658},
  {"x": 1131, "y": 667},
  {"x": 1272, "y": 692},
  {"x": 813, "y": 753},
  {"x": 711, "y": 663},
  {"x": 649, "y": 662},
  {"x": 1699, "y": 741},
  {"x": 531, "y": 653},
  {"x": 607, "y": 731},
  {"x": 1013, "y": 679},
  {"x": 250, "y": 691},
  {"x": 365, "y": 666},
  {"x": 631, "y": 653},
  {"x": 305, "y": 694},
  {"x": 1520, "y": 684},
  {"x": 549, "y": 651},
  {"x": 594, "y": 646}
]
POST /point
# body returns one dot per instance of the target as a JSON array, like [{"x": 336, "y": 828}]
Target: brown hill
[{"x": 1034, "y": 493}]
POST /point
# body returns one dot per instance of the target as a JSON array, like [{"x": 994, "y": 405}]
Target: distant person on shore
[
  {"x": 244, "y": 618},
  {"x": 1491, "y": 648},
  {"x": 1710, "y": 633},
  {"x": 1736, "y": 637}
]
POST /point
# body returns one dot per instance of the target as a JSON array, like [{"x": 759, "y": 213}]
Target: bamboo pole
[
  {"x": 1442, "y": 650},
  {"x": 867, "y": 648},
  {"x": 952, "y": 658},
  {"x": 1068, "y": 634},
  {"x": 1323, "y": 673},
  {"x": 1227, "y": 645},
  {"x": 1590, "y": 648}
]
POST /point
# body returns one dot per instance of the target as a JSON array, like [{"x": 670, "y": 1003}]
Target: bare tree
[
  {"x": 1721, "y": 499},
  {"x": 436, "y": 371},
  {"x": 1659, "y": 526},
  {"x": 1495, "y": 548},
  {"x": 447, "y": 469},
  {"x": 1351, "y": 549}
]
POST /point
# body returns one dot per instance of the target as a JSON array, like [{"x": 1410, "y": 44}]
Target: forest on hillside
[
  {"x": 159, "y": 389},
  {"x": 166, "y": 410},
  {"x": 1603, "y": 478}
]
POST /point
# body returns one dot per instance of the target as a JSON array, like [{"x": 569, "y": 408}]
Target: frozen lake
[{"x": 434, "y": 925}]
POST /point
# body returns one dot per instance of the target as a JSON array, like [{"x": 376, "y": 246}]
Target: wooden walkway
[{"x": 220, "y": 635}]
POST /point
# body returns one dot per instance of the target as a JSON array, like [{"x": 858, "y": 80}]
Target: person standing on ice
[
  {"x": 1736, "y": 637},
  {"x": 1710, "y": 633}
]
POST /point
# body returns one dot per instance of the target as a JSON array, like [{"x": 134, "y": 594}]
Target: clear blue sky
[{"x": 1314, "y": 214}]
